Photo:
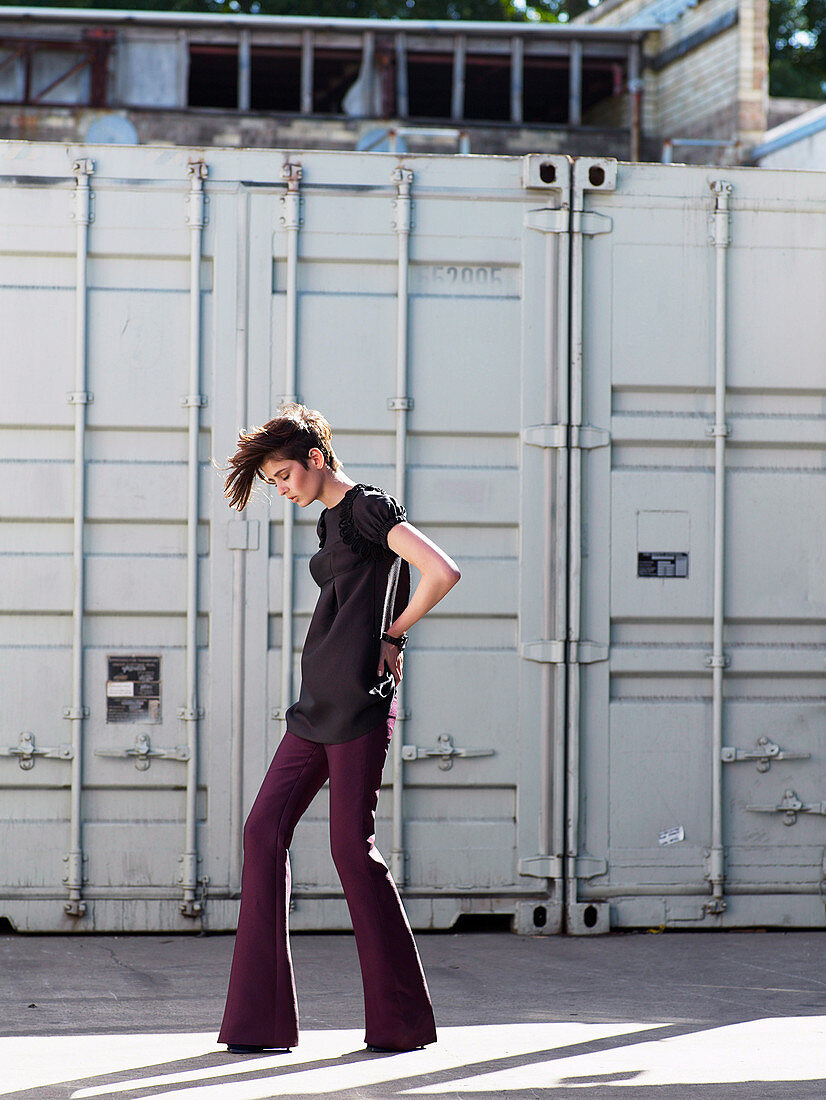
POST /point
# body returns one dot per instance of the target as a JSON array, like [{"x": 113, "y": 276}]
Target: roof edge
[
  {"x": 794, "y": 129},
  {"x": 242, "y": 20}
]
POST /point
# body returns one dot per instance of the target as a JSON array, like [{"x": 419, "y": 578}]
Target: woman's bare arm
[{"x": 439, "y": 573}]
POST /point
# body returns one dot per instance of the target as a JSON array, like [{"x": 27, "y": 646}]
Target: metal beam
[
  {"x": 575, "y": 85},
  {"x": 402, "y": 87},
  {"x": 516, "y": 79},
  {"x": 635, "y": 93},
  {"x": 244, "y": 53},
  {"x": 307, "y": 72},
  {"x": 457, "y": 99}
]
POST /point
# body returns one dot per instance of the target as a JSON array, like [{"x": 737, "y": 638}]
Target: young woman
[{"x": 339, "y": 729}]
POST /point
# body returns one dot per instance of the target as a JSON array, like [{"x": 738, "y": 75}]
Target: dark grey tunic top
[{"x": 341, "y": 653}]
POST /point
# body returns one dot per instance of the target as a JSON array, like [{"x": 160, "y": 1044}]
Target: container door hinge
[
  {"x": 589, "y": 867},
  {"x": 790, "y": 806},
  {"x": 764, "y": 752},
  {"x": 143, "y": 752},
  {"x": 558, "y": 652},
  {"x": 26, "y": 750},
  {"x": 242, "y": 534},
  {"x": 586, "y": 653},
  {"x": 548, "y": 219},
  {"x": 546, "y": 435},
  {"x": 559, "y": 436},
  {"x": 444, "y": 749},
  {"x": 542, "y": 866},
  {"x": 546, "y": 652},
  {"x": 589, "y": 223},
  {"x": 587, "y": 438}
]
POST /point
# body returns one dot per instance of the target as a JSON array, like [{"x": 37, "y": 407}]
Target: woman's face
[{"x": 292, "y": 480}]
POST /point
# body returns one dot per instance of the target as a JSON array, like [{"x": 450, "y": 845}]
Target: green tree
[
  {"x": 498, "y": 10},
  {"x": 797, "y": 48}
]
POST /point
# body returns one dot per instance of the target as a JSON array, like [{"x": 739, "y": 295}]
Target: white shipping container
[{"x": 610, "y": 721}]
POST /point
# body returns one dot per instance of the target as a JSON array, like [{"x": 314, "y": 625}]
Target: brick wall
[{"x": 706, "y": 75}]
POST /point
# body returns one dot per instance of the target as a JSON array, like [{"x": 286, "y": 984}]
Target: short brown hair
[{"x": 291, "y": 434}]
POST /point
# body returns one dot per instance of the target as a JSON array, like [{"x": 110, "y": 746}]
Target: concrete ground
[{"x": 674, "y": 1015}]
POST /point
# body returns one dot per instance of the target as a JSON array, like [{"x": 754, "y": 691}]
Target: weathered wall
[
  {"x": 799, "y": 143},
  {"x": 697, "y": 94},
  {"x": 264, "y": 131},
  {"x": 784, "y": 108},
  {"x": 706, "y": 73}
]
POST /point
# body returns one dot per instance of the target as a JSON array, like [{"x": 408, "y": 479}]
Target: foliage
[
  {"x": 494, "y": 10},
  {"x": 797, "y": 48}
]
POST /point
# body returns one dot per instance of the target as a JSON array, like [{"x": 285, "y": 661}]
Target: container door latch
[{"x": 445, "y": 750}]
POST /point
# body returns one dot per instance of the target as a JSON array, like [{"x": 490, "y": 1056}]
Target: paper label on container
[
  {"x": 672, "y": 836},
  {"x": 116, "y": 689}
]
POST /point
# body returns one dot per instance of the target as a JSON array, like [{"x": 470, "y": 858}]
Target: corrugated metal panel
[
  {"x": 702, "y": 309},
  {"x": 577, "y": 351},
  {"x": 478, "y": 280}
]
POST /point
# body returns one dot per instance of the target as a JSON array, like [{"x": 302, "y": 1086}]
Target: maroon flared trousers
[{"x": 261, "y": 1008}]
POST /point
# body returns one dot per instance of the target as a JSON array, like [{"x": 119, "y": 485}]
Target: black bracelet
[{"x": 400, "y": 643}]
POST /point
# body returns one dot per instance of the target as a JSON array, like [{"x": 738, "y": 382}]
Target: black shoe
[
  {"x": 392, "y": 1050},
  {"x": 241, "y": 1048}
]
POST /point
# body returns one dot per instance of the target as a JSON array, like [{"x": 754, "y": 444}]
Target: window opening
[
  {"x": 334, "y": 74},
  {"x": 213, "y": 76},
  {"x": 602, "y": 80},
  {"x": 429, "y": 84},
  {"x": 275, "y": 79},
  {"x": 545, "y": 90},
  {"x": 487, "y": 87}
]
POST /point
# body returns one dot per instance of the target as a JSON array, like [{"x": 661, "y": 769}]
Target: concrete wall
[
  {"x": 785, "y": 108},
  {"x": 203, "y": 127},
  {"x": 797, "y": 144}
]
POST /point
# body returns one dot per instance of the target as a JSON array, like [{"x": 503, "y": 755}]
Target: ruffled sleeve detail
[
  {"x": 321, "y": 529},
  {"x": 365, "y": 519}
]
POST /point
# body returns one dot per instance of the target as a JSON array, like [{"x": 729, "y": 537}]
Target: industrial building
[{"x": 662, "y": 79}]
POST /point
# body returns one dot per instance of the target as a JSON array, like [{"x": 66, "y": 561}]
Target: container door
[
  {"x": 688, "y": 271},
  {"x": 476, "y": 285},
  {"x": 423, "y": 308},
  {"x": 134, "y": 296}
]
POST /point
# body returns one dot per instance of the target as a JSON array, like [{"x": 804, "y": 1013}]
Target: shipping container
[{"x": 596, "y": 385}]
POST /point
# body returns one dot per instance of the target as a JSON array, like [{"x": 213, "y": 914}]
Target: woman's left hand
[{"x": 392, "y": 657}]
